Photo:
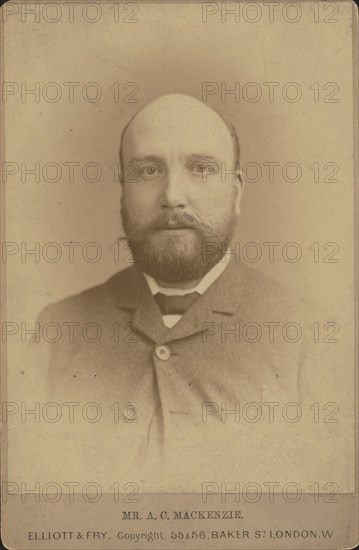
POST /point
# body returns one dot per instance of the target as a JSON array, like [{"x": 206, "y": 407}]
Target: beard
[{"x": 171, "y": 257}]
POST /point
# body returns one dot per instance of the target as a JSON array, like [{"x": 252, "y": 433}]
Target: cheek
[
  {"x": 216, "y": 200},
  {"x": 140, "y": 205}
]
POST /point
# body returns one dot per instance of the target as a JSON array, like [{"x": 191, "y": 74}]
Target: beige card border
[{"x": 348, "y": 505}]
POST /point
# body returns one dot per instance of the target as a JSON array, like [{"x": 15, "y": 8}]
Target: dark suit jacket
[{"x": 243, "y": 345}]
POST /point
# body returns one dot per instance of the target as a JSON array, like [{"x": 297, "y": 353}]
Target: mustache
[{"x": 175, "y": 220}]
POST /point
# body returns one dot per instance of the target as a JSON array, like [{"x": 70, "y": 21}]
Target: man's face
[{"x": 178, "y": 206}]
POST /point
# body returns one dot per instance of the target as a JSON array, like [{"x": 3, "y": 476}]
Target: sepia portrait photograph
[{"x": 179, "y": 263}]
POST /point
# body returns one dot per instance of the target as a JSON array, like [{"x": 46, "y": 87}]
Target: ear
[{"x": 239, "y": 189}]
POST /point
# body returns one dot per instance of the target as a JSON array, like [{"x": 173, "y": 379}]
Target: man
[{"x": 188, "y": 332}]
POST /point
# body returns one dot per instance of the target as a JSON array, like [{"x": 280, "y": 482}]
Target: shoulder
[
  {"x": 91, "y": 301},
  {"x": 263, "y": 293}
]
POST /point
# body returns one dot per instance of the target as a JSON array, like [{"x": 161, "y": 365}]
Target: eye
[
  {"x": 200, "y": 168},
  {"x": 149, "y": 172}
]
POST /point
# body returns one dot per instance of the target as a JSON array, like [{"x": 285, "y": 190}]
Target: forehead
[{"x": 178, "y": 130}]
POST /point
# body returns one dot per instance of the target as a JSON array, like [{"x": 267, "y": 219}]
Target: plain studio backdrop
[
  {"x": 294, "y": 105},
  {"x": 172, "y": 50}
]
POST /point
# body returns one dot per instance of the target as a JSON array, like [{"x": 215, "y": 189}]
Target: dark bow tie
[{"x": 175, "y": 304}]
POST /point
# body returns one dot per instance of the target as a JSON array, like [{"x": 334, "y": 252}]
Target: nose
[{"x": 174, "y": 195}]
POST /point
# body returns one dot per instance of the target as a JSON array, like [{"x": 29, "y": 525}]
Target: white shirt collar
[{"x": 201, "y": 287}]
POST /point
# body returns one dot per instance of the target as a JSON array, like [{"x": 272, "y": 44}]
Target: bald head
[{"x": 184, "y": 121}]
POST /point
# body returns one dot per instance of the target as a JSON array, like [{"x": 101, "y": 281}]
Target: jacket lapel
[
  {"x": 135, "y": 295},
  {"x": 222, "y": 297}
]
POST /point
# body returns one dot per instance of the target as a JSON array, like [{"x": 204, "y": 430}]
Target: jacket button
[{"x": 163, "y": 352}]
